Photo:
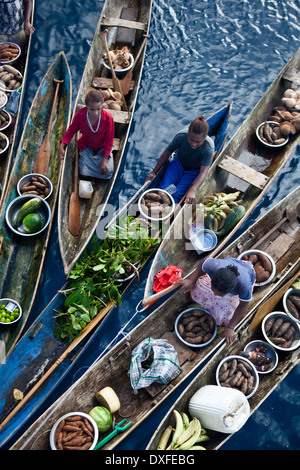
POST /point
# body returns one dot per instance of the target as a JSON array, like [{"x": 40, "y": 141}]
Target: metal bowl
[
  {"x": 296, "y": 342},
  {"x": 10, "y": 62},
  {"x": 7, "y": 142},
  {"x": 26, "y": 178},
  {"x": 13, "y": 304},
  {"x": 7, "y": 90},
  {"x": 285, "y": 297},
  {"x": 120, "y": 72},
  {"x": 74, "y": 413},
  {"x": 265, "y": 143},
  {"x": 255, "y": 373},
  {"x": 9, "y": 120},
  {"x": 201, "y": 345},
  {"x": 153, "y": 191},
  {"x": 2, "y": 106},
  {"x": 14, "y": 207},
  {"x": 254, "y": 252},
  {"x": 271, "y": 353}
]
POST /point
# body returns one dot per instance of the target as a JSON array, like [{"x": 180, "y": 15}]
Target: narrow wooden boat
[
  {"x": 12, "y": 131},
  {"x": 244, "y": 165},
  {"x": 39, "y": 347},
  {"x": 112, "y": 368},
  {"x": 21, "y": 258},
  {"x": 267, "y": 382},
  {"x": 95, "y": 75}
]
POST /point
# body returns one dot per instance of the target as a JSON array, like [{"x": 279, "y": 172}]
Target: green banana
[
  {"x": 190, "y": 436},
  {"x": 197, "y": 448},
  {"x": 179, "y": 427},
  {"x": 185, "y": 419},
  {"x": 165, "y": 438}
]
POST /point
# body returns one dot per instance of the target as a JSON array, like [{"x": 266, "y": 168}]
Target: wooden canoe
[
  {"x": 267, "y": 382},
  {"x": 39, "y": 344},
  {"x": 21, "y": 258},
  {"x": 95, "y": 75},
  {"x": 12, "y": 131},
  {"x": 244, "y": 165},
  {"x": 112, "y": 368}
]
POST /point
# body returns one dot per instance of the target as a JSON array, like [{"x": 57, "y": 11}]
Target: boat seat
[
  {"x": 104, "y": 83},
  {"x": 120, "y": 117},
  {"x": 244, "y": 172},
  {"x": 292, "y": 75},
  {"x": 119, "y": 22}
]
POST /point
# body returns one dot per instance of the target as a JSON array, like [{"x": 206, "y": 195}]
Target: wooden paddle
[
  {"x": 43, "y": 157},
  {"x": 116, "y": 82},
  {"x": 70, "y": 348},
  {"x": 74, "y": 206},
  {"x": 125, "y": 83},
  {"x": 268, "y": 306}
]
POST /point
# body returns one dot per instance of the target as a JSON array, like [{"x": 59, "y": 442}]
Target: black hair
[
  {"x": 199, "y": 126},
  {"x": 225, "y": 279}
]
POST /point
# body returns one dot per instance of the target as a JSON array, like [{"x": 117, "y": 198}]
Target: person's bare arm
[
  {"x": 191, "y": 194},
  {"x": 161, "y": 161}
]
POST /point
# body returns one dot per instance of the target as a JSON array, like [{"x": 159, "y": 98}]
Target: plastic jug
[{"x": 220, "y": 409}]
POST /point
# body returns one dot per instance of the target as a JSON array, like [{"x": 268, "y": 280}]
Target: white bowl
[
  {"x": 270, "y": 353},
  {"x": 14, "y": 207},
  {"x": 286, "y": 295},
  {"x": 254, "y": 252},
  {"x": 26, "y": 178},
  {"x": 7, "y": 142},
  {"x": 5, "y": 99},
  {"x": 9, "y": 121},
  {"x": 266, "y": 143},
  {"x": 120, "y": 71},
  {"x": 6, "y": 301},
  {"x": 153, "y": 191},
  {"x": 296, "y": 342},
  {"x": 7, "y": 90},
  {"x": 74, "y": 413},
  {"x": 201, "y": 345},
  {"x": 255, "y": 373},
  {"x": 10, "y": 62}
]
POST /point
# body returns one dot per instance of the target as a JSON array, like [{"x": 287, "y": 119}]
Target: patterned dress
[{"x": 11, "y": 16}]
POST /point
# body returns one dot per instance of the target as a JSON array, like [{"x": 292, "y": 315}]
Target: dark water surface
[{"x": 200, "y": 56}]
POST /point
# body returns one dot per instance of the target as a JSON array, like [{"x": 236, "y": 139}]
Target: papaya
[
  {"x": 29, "y": 206},
  {"x": 33, "y": 223}
]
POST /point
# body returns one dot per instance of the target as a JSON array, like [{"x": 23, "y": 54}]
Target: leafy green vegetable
[{"x": 93, "y": 285}]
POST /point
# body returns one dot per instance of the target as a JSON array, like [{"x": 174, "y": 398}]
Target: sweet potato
[
  {"x": 261, "y": 274},
  {"x": 266, "y": 263}
]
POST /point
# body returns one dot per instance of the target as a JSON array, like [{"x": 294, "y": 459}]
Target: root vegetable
[
  {"x": 276, "y": 326},
  {"x": 266, "y": 263}
]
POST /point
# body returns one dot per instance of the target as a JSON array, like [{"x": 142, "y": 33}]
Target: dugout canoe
[
  {"x": 39, "y": 347},
  {"x": 12, "y": 131},
  {"x": 207, "y": 376},
  {"x": 95, "y": 75},
  {"x": 21, "y": 258},
  {"x": 244, "y": 165},
  {"x": 112, "y": 368}
]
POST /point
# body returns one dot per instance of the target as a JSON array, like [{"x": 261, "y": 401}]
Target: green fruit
[
  {"x": 27, "y": 208},
  {"x": 102, "y": 416},
  {"x": 33, "y": 222}
]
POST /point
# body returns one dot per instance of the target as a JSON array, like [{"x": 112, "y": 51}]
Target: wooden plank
[
  {"x": 292, "y": 75},
  {"x": 244, "y": 172},
  {"x": 120, "y": 117},
  {"x": 280, "y": 246},
  {"x": 119, "y": 22},
  {"x": 103, "y": 82}
]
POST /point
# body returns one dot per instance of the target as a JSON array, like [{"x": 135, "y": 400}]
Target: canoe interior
[
  {"x": 21, "y": 258},
  {"x": 111, "y": 370},
  {"x": 92, "y": 209},
  {"x": 11, "y": 132},
  {"x": 207, "y": 376},
  {"x": 244, "y": 148}
]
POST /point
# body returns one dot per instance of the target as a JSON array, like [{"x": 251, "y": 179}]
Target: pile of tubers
[
  {"x": 74, "y": 433},
  {"x": 281, "y": 333},
  {"x": 4, "y": 119},
  {"x": 120, "y": 58},
  {"x": 261, "y": 264},
  {"x": 270, "y": 133},
  {"x": 8, "y": 51},
  {"x": 37, "y": 185},
  {"x": 196, "y": 327},
  {"x": 112, "y": 99},
  {"x": 10, "y": 78},
  {"x": 156, "y": 204},
  {"x": 293, "y": 305},
  {"x": 237, "y": 374}
]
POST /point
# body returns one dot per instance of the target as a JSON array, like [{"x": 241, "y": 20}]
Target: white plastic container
[
  {"x": 202, "y": 239},
  {"x": 85, "y": 189},
  {"x": 220, "y": 409}
]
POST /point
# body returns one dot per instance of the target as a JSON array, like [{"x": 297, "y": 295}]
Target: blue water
[{"x": 200, "y": 56}]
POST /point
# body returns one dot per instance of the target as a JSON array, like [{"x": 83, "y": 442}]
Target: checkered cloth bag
[{"x": 164, "y": 368}]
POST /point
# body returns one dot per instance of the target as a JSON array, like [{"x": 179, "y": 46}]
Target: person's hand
[
  {"x": 186, "y": 284},
  {"x": 151, "y": 176},
  {"x": 61, "y": 152},
  {"x": 103, "y": 167},
  {"x": 229, "y": 335},
  {"x": 190, "y": 196},
  {"x": 29, "y": 29}
]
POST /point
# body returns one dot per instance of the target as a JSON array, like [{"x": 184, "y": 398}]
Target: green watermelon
[
  {"x": 102, "y": 416},
  {"x": 33, "y": 223}
]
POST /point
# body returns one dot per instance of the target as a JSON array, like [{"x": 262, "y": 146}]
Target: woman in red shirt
[{"x": 95, "y": 144}]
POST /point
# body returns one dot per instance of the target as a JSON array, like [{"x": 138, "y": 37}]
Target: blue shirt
[{"x": 246, "y": 277}]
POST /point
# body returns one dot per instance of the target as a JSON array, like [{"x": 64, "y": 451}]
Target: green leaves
[{"x": 126, "y": 247}]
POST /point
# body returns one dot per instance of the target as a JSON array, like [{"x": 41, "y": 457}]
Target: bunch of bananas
[
  {"x": 219, "y": 205},
  {"x": 186, "y": 435}
]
